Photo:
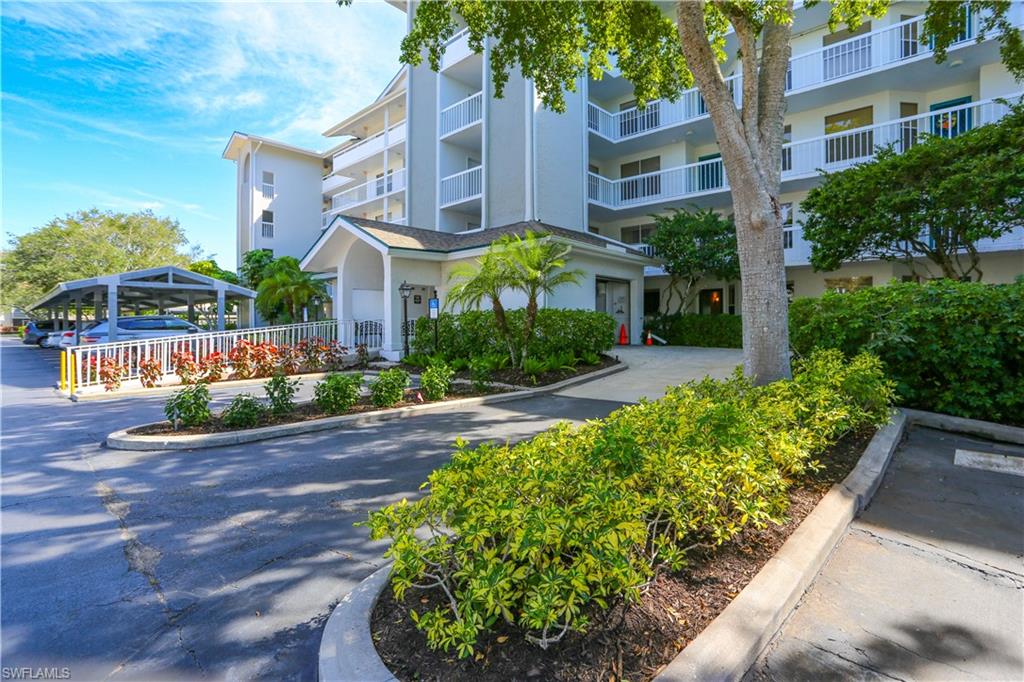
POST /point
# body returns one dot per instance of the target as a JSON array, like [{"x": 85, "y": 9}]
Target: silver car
[{"x": 140, "y": 327}]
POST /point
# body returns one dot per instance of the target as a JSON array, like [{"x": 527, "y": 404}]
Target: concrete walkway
[
  {"x": 652, "y": 368},
  {"x": 928, "y": 584}
]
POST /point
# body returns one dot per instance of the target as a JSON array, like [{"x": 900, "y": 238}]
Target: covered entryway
[
  {"x": 612, "y": 297},
  {"x": 140, "y": 291}
]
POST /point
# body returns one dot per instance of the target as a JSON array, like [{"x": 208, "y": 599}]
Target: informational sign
[
  {"x": 435, "y": 307},
  {"x": 417, "y": 299}
]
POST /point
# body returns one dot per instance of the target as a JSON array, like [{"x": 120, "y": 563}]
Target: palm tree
[
  {"x": 538, "y": 264},
  {"x": 285, "y": 290},
  {"x": 485, "y": 280}
]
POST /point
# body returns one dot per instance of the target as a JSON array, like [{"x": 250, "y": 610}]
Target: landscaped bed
[
  {"x": 517, "y": 377},
  {"x": 629, "y": 640},
  {"x": 308, "y": 411}
]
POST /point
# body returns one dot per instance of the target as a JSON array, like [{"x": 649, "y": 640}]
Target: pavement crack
[
  {"x": 913, "y": 652},
  {"x": 859, "y": 664},
  {"x": 141, "y": 557}
]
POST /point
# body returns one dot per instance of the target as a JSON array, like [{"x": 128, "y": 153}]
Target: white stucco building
[{"x": 437, "y": 153}]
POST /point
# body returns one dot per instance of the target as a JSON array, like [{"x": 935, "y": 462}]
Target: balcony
[
  {"x": 364, "y": 149},
  {"x": 463, "y": 188},
  {"x": 456, "y": 49},
  {"x": 372, "y": 190},
  {"x": 856, "y": 56},
  {"x": 803, "y": 159},
  {"x": 334, "y": 182},
  {"x": 462, "y": 114}
]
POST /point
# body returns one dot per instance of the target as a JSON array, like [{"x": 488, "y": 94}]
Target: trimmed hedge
[
  {"x": 951, "y": 347},
  {"x": 541, "y": 533},
  {"x": 708, "y": 331},
  {"x": 473, "y": 333}
]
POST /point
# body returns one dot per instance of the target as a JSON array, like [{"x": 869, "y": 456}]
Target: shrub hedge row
[
  {"x": 539, "y": 533},
  {"x": 709, "y": 331},
  {"x": 472, "y": 333},
  {"x": 951, "y": 347}
]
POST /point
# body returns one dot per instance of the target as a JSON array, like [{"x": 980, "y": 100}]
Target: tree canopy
[
  {"x": 86, "y": 244},
  {"x": 285, "y": 290},
  {"x": 210, "y": 268},
  {"x": 693, "y": 245},
  {"x": 937, "y": 200}
]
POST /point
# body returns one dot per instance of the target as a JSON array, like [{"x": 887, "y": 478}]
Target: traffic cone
[
  {"x": 623, "y": 336},
  {"x": 650, "y": 341}
]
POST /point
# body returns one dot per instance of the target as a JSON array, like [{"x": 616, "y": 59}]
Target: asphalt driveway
[{"x": 211, "y": 563}]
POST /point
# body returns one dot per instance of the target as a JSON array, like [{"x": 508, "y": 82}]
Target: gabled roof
[{"x": 238, "y": 140}]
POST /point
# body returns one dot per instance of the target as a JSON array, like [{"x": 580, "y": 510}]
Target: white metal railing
[
  {"x": 461, "y": 186},
  {"x": 85, "y": 361},
  {"x": 463, "y": 113},
  {"x": 806, "y": 157},
  {"x": 267, "y": 230},
  {"x": 645, "y": 249},
  {"x": 268, "y": 190},
  {"x": 456, "y": 49},
  {"x": 369, "y": 190},
  {"x": 870, "y": 51},
  {"x": 368, "y": 147}
]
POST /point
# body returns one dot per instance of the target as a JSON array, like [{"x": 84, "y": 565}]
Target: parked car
[
  {"x": 140, "y": 327},
  {"x": 52, "y": 340},
  {"x": 36, "y": 331},
  {"x": 67, "y": 339}
]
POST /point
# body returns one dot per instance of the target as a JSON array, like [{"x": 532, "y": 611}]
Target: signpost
[{"x": 434, "y": 307}]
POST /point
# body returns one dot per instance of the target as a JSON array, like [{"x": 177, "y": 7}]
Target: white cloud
[{"x": 276, "y": 68}]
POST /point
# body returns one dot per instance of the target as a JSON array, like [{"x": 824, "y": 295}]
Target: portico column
[
  {"x": 112, "y": 310},
  {"x": 97, "y": 305},
  {"x": 191, "y": 308},
  {"x": 78, "y": 319},
  {"x": 64, "y": 318},
  {"x": 220, "y": 310}
]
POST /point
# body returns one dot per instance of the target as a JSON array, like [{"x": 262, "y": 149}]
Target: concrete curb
[
  {"x": 347, "y": 652},
  {"x": 122, "y": 440},
  {"x": 974, "y": 427},
  {"x": 727, "y": 647}
]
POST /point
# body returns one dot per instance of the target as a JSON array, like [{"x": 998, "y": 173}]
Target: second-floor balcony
[
  {"x": 371, "y": 190},
  {"x": 462, "y": 114},
  {"x": 462, "y": 188},
  {"x": 364, "y": 149},
  {"x": 801, "y": 159},
  {"x": 873, "y": 51}
]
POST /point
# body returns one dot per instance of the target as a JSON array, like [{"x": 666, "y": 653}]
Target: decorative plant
[
  {"x": 289, "y": 358},
  {"x": 244, "y": 412},
  {"x": 534, "y": 367},
  {"x": 362, "y": 356},
  {"x": 150, "y": 372},
  {"x": 189, "y": 407},
  {"x": 281, "y": 394},
  {"x": 480, "y": 374},
  {"x": 243, "y": 359},
  {"x": 212, "y": 368},
  {"x": 389, "y": 388},
  {"x": 436, "y": 380},
  {"x": 591, "y": 358},
  {"x": 334, "y": 356},
  {"x": 337, "y": 392},
  {"x": 112, "y": 373},
  {"x": 312, "y": 352},
  {"x": 265, "y": 359},
  {"x": 185, "y": 366}
]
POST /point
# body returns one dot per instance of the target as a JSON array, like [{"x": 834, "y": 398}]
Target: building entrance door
[{"x": 612, "y": 297}]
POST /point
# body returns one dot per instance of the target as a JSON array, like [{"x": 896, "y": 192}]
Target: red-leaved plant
[
  {"x": 212, "y": 368},
  {"x": 111, "y": 373},
  {"x": 289, "y": 358},
  {"x": 185, "y": 366},
  {"x": 149, "y": 372}
]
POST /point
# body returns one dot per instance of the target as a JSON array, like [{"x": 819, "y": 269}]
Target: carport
[{"x": 140, "y": 290}]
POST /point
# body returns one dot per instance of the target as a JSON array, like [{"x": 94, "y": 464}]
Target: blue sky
[{"x": 128, "y": 105}]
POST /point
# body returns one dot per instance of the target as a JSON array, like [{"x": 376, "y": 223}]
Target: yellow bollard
[
  {"x": 63, "y": 369},
  {"x": 71, "y": 377}
]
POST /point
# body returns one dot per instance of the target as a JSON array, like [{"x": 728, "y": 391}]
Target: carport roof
[
  {"x": 419, "y": 239},
  {"x": 167, "y": 285}
]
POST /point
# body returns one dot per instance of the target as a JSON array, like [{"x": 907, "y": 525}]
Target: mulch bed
[
  {"x": 629, "y": 641},
  {"x": 516, "y": 377},
  {"x": 306, "y": 412}
]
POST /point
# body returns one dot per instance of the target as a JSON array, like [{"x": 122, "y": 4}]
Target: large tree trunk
[{"x": 750, "y": 141}]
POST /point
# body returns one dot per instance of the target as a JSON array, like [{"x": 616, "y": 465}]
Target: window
[
  {"x": 709, "y": 175},
  {"x": 596, "y": 170},
  {"x": 652, "y": 302},
  {"x": 644, "y": 186},
  {"x": 732, "y": 299},
  {"x": 845, "y": 34},
  {"x": 848, "y": 144},
  {"x": 177, "y": 325},
  {"x": 787, "y": 152},
  {"x": 637, "y": 234},
  {"x": 908, "y": 129},
  {"x": 844, "y": 285},
  {"x": 710, "y": 301},
  {"x": 952, "y": 123},
  {"x": 384, "y": 183},
  {"x": 268, "y": 185},
  {"x": 909, "y": 38},
  {"x": 143, "y": 323},
  {"x": 787, "y": 225},
  {"x": 268, "y": 224}
]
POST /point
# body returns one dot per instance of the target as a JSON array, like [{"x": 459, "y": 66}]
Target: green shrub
[
  {"x": 389, "y": 388},
  {"x": 534, "y": 367},
  {"x": 472, "y": 333},
  {"x": 708, "y": 331},
  {"x": 281, "y": 394},
  {"x": 951, "y": 347},
  {"x": 536, "y": 534},
  {"x": 244, "y": 412},
  {"x": 337, "y": 392},
  {"x": 189, "y": 407},
  {"x": 591, "y": 358},
  {"x": 459, "y": 364},
  {"x": 436, "y": 380},
  {"x": 480, "y": 374},
  {"x": 420, "y": 360}
]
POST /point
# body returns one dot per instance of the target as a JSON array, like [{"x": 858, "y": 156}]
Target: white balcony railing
[
  {"x": 860, "y": 54},
  {"x": 364, "y": 149},
  {"x": 462, "y": 186},
  {"x": 462, "y": 114},
  {"x": 799, "y": 159},
  {"x": 456, "y": 49},
  {"x": 370, "y": 190},
  {"x": 645, "y": 249}
]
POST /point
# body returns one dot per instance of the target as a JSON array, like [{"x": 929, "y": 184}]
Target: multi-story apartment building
[{"x": 436, "y": 166}]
